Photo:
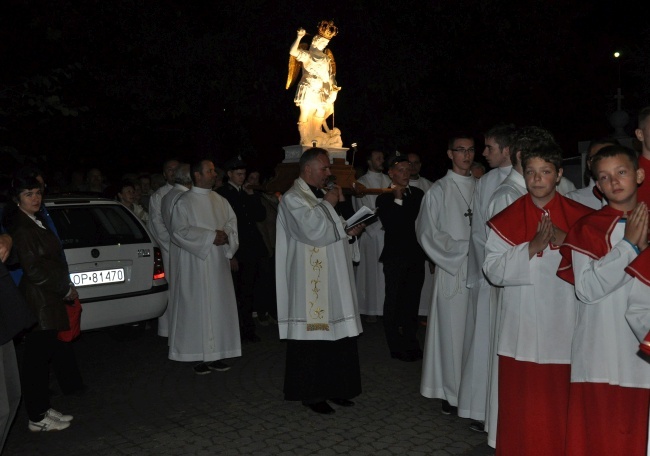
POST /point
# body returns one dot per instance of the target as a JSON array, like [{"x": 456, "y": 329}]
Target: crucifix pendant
[{"x": 468, "y": 214}]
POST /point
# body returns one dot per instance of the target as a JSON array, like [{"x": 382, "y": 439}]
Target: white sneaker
[
  {"x": 48, "y": 424},
  {"x": 58, "y": 415}
]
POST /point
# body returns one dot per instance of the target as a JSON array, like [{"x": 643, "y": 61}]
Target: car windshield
[{"x": 96, "y": 225}]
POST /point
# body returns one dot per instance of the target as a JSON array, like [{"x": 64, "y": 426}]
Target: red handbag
[{"x": 74, "y": 316}]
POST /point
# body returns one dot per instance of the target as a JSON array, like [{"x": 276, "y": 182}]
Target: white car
[{"x": 113, "y": 261}]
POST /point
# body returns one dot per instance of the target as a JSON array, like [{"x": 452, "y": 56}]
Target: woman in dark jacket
[{"x": 47, "y": 290}]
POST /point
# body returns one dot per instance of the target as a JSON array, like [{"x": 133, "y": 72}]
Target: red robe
[
  {"x": 589, "y": 236},
  {"x": 602, "y": 418},
  {"x": 533, "y": 398},
  {"x": 526, "y": 215}
]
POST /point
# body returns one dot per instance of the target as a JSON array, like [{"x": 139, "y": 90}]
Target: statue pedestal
[
  {"x": 288, "y": 171},
  {"x": 292, "y": 154}
]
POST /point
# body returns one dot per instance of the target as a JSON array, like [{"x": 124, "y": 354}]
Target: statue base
[
  {"x": 288, "y": 171},
  {"x": 292, "y": 154}
]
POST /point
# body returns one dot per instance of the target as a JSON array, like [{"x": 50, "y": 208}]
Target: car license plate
[{"x": 84, "y": 279}]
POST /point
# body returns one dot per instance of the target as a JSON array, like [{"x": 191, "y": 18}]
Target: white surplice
[
  {"x": 538, "y": 309},
  {"x": 422, "y": 183},
  {"x": 473, "y": 386},
  {"x": 510, "y": 190},
  {"x": 369, "y": 274},
  {"x": 604, "y": 346},
  {"x": 638, "y": 315},
  {"x": 586, "y": 196},
  {"x": 304, "y": 222},
  {"x": 565, "y": 186},
  {"x": 160, "y": 234},
  {"x": 443, "y": 231},
  {"x": 426, "y": 295},
  {"x": 204, "y": 323}
]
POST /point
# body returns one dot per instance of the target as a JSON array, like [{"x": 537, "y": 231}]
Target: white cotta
[
  {"x": 638, "y": 313},
  {"x": 538, "y": 309},
  {"x": 586, "y": 196},
  {"x": 604, "y": 346},
  {"x": 204, "y": 323}
]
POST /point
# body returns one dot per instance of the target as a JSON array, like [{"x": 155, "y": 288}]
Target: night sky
[{"x": 124, "y": 84}]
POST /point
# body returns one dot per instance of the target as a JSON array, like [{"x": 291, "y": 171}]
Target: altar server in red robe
[
  {"x": 538, "y": 313},
  {"x": 610, "y": 384}
]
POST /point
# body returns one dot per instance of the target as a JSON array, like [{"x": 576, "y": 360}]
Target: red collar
[
  {"x": 591, "y": 237},
  {"x": 526, "y": 215}
]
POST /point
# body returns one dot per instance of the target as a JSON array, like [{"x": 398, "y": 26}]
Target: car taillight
[{"x": 158, "y": 268}]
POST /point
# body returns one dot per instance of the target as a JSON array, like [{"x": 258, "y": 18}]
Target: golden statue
[{"x": 317, "y": 90}]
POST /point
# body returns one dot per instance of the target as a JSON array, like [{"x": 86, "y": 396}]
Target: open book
[{"x": 363, "y": 215}]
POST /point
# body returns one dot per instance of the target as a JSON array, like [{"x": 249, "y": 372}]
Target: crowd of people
[
  {"x": 535, "y": 292},
  {"x": 536, "y": 304}
]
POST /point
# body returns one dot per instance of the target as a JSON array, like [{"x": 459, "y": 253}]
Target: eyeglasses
[{"x": 462, "y": 150}]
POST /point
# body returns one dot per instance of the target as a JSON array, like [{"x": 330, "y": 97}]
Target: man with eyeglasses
[
  {"x": 473, "y": 386},
  {"x": 443, "y": 230}
]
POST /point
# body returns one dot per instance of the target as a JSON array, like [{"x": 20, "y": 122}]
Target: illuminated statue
[{"x": 317, "y": 89}]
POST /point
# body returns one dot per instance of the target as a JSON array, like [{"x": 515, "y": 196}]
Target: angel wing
[
  {"x": 294, "y": 67},
  {"x": 329, "y": 54}
]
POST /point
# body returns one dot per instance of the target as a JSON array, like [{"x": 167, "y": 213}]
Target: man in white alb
[
  {"x": 443, "y": 230},
  {"x": 473, "y": 386},
  {"x": 416, "y": 180},
  {"x": 204, "y": 325},
  {"x": 424, "y": 184},
  {"x": 588, "y": 195},
  {"x": 159, "y": 231},
  {"x": 369, "y": 274},
  {"x": 182, "y": 183},
  {"x": 317, "y": 303}
]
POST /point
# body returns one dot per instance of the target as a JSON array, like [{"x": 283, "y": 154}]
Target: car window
[{"x": 92, "y": 226}]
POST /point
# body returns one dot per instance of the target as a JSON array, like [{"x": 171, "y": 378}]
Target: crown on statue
[{"x": 327, "y": 29}]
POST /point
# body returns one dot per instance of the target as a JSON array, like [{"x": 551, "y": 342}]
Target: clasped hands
[
  {"x": 546, "y": 234},
  {"x": 221, "y": 238},
  {"x": 636, "y": 227}
]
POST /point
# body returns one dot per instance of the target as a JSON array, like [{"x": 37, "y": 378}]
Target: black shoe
[
  {"x": 201, "y": 369},
  {"x": 321, "y": 407},
  {"x": 342, "y": 402},
  {"x": 477, "y": 426},
  {"x": 403, "y": 356},
  {"x": 218, "y": 366},
  {"x": 447, "y": 408}
]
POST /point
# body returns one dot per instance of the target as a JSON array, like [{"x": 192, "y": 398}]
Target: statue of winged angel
[{"x": 317, "y": 89}]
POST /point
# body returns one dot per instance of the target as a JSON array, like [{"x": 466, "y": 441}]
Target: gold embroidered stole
[{"x": 316, "y": 275}]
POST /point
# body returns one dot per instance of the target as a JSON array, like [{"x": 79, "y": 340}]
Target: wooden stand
[{"x": 343, "y": 175}]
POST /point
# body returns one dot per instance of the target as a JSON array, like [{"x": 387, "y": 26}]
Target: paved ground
[{"x": 140, "y": 403}]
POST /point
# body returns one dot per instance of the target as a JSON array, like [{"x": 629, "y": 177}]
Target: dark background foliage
[{"x": 122, "y": 84}]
